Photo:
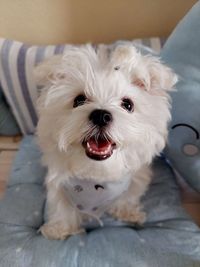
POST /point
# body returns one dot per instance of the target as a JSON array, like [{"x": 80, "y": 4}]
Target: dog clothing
[{"x": 94, "y": 198}]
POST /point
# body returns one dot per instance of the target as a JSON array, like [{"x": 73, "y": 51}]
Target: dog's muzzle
[{"x": 99, "y": 146}]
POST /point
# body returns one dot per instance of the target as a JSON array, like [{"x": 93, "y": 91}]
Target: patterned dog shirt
[{"x": 93, "y": 198}]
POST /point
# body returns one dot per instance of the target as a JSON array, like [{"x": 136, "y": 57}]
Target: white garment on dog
[{"x": 94, "y": 198}]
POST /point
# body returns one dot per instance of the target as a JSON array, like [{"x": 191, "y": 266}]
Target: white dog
[{"x": 103, "y": 117}]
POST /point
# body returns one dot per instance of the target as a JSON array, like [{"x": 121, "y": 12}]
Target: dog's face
[{"x": 103, "y": 115}]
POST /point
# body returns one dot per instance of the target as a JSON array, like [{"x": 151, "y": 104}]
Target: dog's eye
[
  {"x": 79, "y": 100},
  {"x": 127, "y": 104}
]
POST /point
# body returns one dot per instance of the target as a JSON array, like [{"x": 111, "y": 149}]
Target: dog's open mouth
[{"x": 98, "y": 148}]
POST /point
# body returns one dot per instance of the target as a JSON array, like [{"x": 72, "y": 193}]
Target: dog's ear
[
  {"x": 153, "y": 76},
  {"x": 46, "y": 71},
  {"x": 145, "y": 71}
]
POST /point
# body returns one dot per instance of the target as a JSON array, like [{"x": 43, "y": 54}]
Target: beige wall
[{"x": 58, "y": 21}]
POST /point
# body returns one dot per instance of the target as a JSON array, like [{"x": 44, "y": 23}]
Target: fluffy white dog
[{"x": 103, "y": 117}]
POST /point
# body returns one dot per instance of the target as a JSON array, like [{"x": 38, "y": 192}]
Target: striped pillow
[{"x": 17, "y": 61}]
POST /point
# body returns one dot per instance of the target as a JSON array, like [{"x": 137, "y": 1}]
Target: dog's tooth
[
  {"x": 96, "y": 152},
  {"x": 88, "y": 145}
]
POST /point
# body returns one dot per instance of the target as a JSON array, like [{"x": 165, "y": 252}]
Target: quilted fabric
[{"x": 169, "y": 238}]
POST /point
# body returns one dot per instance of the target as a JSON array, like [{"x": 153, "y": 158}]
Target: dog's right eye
[
  {"x": 79, "y": 100},
  {"x": 127, "y": 104}
]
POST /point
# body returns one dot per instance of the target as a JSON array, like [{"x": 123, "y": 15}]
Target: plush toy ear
[
  {"x": 46, "y": 71},
  {"x": 145, "y": 71}
]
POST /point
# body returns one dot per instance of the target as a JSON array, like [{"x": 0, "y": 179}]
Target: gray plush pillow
[
  {"x": 8, "y": 125},
  {"x": 182, "y": 53}
]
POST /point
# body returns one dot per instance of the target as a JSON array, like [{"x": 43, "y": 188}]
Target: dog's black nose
[{"x": 100, "y": 117}]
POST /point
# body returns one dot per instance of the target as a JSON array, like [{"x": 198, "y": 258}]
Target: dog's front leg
[
  {"x": 63, "y": 219},
  {"x": 127, "y": 211},
  {"x": 128, "y": 207}
]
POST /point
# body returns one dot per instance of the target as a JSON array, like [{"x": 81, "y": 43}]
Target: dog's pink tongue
[{"x": 100, "y": 145}]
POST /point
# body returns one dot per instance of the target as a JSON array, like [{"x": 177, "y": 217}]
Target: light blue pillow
[
  {"x": 169, "y": 238},
  {"x": 182, "y": 53},
  {"x": 8, "y": 125}
]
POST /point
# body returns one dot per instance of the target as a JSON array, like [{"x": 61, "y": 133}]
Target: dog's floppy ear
[
  {"x": 145, "y": 71},
  {"x": 46, "y": 71},
  {"x": 153, "y": 76}
]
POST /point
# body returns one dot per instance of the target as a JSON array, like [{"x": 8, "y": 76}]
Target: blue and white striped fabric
[{"x": 17, "y": 61}]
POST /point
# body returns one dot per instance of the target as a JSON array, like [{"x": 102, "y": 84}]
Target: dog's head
[{"x": 100, "y": 111}]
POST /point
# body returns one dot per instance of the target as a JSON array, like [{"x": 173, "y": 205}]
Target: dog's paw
[
  {"x": 128, "y": 214},
  {"x": 58, "y": 231}
]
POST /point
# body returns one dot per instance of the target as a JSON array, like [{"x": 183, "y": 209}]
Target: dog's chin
[{"x": 98, "y": 148}]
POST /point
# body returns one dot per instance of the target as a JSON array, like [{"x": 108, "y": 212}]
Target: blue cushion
[
  {"x": 8, "y": 125},
  {"x": 182, "y": 53},
  {"x": 169, "y": 238}
]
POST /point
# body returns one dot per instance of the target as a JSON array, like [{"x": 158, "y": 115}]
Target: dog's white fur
[{"x": 139, "y": 136}]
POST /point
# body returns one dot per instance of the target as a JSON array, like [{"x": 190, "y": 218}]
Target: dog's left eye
[
  {"x": 127, "y": 104},
  {"x": 79, "y": 100}
]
